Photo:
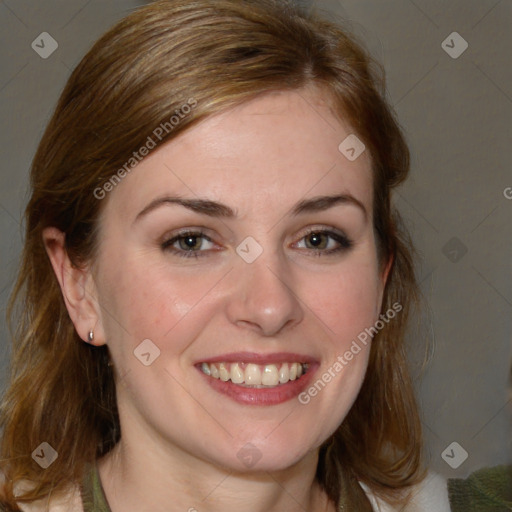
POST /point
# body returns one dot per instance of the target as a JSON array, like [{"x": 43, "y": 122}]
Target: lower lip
[{"x": 262, "y": 396}]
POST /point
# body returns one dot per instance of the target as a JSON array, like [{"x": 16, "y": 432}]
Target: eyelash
[
  {"x": 344, "y": 243},
  {"x": 168, "y": 244}
]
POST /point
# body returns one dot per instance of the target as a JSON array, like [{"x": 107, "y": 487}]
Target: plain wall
[{"x": 456, "y": 113}]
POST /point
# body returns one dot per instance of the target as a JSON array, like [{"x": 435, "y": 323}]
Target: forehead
[{"x": 271, "y": 151}]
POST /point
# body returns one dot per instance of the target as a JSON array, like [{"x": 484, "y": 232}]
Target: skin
[{"x": 180, "y": 438}]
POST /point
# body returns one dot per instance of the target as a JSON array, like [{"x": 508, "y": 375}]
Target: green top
[
  {"x": 485, "y": 490},
  {"x": 93, "y": 497}
]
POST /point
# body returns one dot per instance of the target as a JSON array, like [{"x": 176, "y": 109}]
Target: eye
[
  {"x": 324, "y": 242},
  {"x": 188, "y": 244}
]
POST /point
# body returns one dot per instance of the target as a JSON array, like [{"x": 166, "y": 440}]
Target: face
[{"x": 244, "y": 252}]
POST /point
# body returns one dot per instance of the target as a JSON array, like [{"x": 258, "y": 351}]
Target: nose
[{"x": 264, "y": 299}]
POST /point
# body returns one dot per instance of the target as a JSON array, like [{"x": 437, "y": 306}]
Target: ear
[
  {"x": 386, "y": 270},
  {"x": 77, "y": 286},
  {"x": 382, "y": 280}
]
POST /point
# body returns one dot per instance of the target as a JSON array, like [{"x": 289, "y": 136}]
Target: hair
[{"x": 211, "y": 55}]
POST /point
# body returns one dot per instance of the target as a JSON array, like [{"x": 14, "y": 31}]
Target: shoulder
[
  {"x": 68, "y": 501},
  {"x": 430, "y": 495},
  {"x": 65, "y": 504}
]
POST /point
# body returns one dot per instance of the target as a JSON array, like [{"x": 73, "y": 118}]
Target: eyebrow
[
  {"x": 215, "y": 209},
  {"x": 322, "y": 203},
  {"x": 202, "y": 206}
]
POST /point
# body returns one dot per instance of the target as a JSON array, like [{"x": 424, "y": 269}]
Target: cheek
[
  {"x": 146, "y": 300},
  {"x": 346, "y": 301}
]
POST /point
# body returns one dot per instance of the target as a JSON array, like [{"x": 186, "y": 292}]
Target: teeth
[
  {"x": 284, "y": 373},
  {"x": 270, "y": 376},
  {"x": 214, "y": 372},
  {"x": 255, "y": 375},
  {"x": 237, "y": 374},
  {"x": 223, "y": 372}
]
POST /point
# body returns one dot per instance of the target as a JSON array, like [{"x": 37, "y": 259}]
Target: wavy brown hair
[{"x": 220, "y": 53}]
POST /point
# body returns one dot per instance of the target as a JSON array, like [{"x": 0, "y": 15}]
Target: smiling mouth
[{"x": 252, "y": 375}]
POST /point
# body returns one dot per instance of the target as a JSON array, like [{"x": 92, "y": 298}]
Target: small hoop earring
[{"x": 90, "y": 337}]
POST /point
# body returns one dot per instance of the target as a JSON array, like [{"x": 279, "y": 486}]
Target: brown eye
[
  {"x": 324, "y": 242},
  {"x": 189, "y": 244},
  {"x": 317, "y": 241}
]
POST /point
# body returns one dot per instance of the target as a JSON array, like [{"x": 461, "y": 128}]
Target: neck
[{"x": 135, "y": 479}]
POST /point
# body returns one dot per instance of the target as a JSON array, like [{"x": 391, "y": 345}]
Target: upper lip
[{"x": 253, "y": 357}]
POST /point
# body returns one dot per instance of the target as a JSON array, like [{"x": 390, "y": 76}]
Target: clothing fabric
[
  {"x": 91, "y": 490},
  {"x": 430, "y": 496},
  {"x": 486, "y": 490}
]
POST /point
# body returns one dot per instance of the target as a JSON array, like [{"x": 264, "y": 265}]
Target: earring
[{"x": 90, "y": 337}]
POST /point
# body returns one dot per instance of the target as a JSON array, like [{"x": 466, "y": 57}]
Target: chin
[{"x": 260, "y": 455}]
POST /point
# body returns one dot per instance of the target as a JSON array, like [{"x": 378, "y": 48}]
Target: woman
[{"x": 215, "y": 284}]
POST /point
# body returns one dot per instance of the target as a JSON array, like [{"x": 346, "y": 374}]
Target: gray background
[{"x": 457, "y": 117}]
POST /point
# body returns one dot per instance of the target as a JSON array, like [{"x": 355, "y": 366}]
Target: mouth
[
  {"x": 253, "y": 375},
  {"x": 255, "y": 379}
]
